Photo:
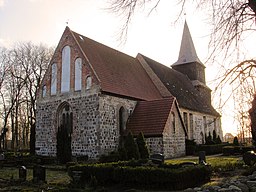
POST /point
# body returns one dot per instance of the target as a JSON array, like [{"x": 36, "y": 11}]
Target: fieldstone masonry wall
[
  {"x": 85, "y": 125},
  {"x": 95, "y": 123},
  {"x": 174, "y": 139},
  {"x": 199, "y": 128},
  {"x": 109, "y": 120},
  {"x": 155, "y": 145}
]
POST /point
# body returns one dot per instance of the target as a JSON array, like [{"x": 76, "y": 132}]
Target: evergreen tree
[
  {"x": 235, "y": 141},
  {"x": 209, "y": 139},
  {"x": 131, "y": 147},
  {"x": 121, "y": 150},
  {"x": 63, "y": 146},
  {"x": 218, "y": 140},
  {"x": 142, "y": 146},
  {"x": 32, "y": 139},
  {"x": 214, "y": 136}
]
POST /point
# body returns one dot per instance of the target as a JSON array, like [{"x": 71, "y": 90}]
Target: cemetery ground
[{"x": 57, "y": 179}]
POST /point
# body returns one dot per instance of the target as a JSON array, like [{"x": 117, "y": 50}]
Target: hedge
[
  {"x": 147, "y": 177},
  {"x": 211, "y": 149},
  {"x": 234, "y": 150}
]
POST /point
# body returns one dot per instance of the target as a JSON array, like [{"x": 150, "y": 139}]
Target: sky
[{"x": 157, "y": 35}]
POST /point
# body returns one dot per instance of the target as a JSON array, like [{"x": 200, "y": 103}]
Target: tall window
[
  {"x": 78, "y": 74},
  {"x": 205, "y": 124},
  {"x": 185, "y": 119},
  {"x": 88, "y": 82},
  {"x": 65, "y": 73},
  {"x": 44, "y": 90},
  {"x": 191, "y": 125},
  {"x": 173, "y": 122},
  {"x": 122, "y": 124},
  {"x": 54, "y": 79}
]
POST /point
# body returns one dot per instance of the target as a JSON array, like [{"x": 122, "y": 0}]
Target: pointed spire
[{"x": 187, "y": 49}]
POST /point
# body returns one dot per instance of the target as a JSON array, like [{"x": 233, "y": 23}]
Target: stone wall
[
  {"x": 95, "y": 123},
  {"x": 85, "y": 124},
  {"x": 202, "y": 124},
  {"x": 155, "y": 145},
  {"x": 174, "y": 139},
  {"x": 109, "y": 107}
]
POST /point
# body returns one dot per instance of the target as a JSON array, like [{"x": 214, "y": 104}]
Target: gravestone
[
  {"x": 201, "y": 158},
  {"x": 76, "y": 176},
  {"x": 39, "y": 174},
  {"x": 157, "y": 158},
  {"x": 22, "y": 173},
  {"x": 1, "y": 156},
  {"x": 249, "y": 158}
]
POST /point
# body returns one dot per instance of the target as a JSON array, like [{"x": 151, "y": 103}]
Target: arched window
[
  {"x": 122, "y": 114},
  {"x": 88, "y": 82},
  {"x": 44, "y": 90},
  {"x": 65, "y": 73},
  {"x": 173, "y": 122},
  {"x": 65, "y": 118},
  {"x": 122, "y": 120},
  {"x": 54, "y": 79},
  {"x": 78, "y": 74}
]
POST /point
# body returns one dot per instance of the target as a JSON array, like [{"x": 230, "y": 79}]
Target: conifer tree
[
  {"x": 131, "y": 147},
  {"x": 143, "y": 149},
  {"x": 235, "y": 141},
  {"x": 218, "y": 141},
  {"x": 214, "y": 136}
]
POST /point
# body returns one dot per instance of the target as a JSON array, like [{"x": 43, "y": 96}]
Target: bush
[
  {"x": 142, "y": 146},
  {"x": 235, "y": 141},
  {"x": 131, "y": 147},
  {"x": 111, "y": 157},
  {"x": 237, "y": 150},
  {"x": 143, "y": 176},
  {"x": 211, "y": 149},
  {"x": 190, "y": 147}
]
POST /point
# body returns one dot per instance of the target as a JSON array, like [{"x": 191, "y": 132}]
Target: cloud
[{"x": 1, "y": 3}]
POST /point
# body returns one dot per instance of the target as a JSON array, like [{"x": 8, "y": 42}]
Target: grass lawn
[{"x": 56, "y": 180}]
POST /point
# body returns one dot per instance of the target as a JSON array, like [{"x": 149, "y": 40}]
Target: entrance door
[{"x": 65, "y": 126}]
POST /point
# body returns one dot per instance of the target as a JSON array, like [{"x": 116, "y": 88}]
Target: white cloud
[{"x": 1, "y": 3}]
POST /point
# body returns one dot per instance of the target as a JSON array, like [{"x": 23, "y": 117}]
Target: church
[{"x": 96, "y": 95}]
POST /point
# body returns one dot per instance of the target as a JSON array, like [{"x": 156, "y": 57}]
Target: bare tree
[{"x": 25, "y": 67}]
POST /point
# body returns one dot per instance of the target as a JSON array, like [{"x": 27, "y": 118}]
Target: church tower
[{"x": 190, "y": 65}]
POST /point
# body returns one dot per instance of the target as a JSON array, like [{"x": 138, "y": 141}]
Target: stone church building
[{"x": 97, "y": 95}]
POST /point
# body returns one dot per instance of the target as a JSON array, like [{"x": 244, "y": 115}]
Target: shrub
[
  {"x": 211, "y": 149},
  {"x": 233, "y": 150},
  {"x": 63, "y": 145},
  {"x": 142, "y": 146},
  {"x": 111, "y": 157},
  {"x": 131, "y": 147},
  {"x": 218, "y": 140},
  {"x": 190, "y": 146},
  {"x": 143, "y": 176},
  {"x": 214, "y": 136},
  {"x": 228, "y": 150},
  {"x": 235, "y": 141}
]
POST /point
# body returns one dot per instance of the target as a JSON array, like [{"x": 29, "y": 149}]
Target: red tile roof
[
  {"x": 117, "y": 72},
  {"x": 150, "y": 117}
]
